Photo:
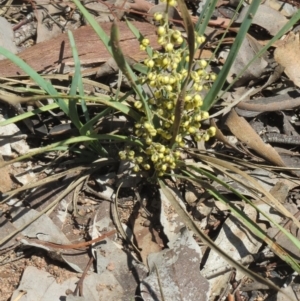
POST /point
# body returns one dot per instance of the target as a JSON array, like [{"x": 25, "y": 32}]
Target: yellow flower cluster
[
  {"x": 139, "y": 161},
  {"x": 165, "y": 76}
]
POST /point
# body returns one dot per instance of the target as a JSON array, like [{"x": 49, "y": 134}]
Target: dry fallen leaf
[
  {"x": 287, "y": 55},
  {"x": 174, "y": 272},
  {"x": 7, "y": 37},
  {"x": 245, "y": 133},
  {"x": 248, "y": 50},
  {"x": 265, "y": 17},
  {"x": 147, "y": 238},
  {"x": 6, "y": 183},
  {"x": 285, "y": 8}
]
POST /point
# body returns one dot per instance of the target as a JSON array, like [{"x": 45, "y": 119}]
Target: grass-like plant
[{"x": 181, "y": 91}]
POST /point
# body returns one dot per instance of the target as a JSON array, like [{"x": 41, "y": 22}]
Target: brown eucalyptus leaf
[
  {"x": 147, "y": 238},
  {"x": 245, "y": 133},
  {"x": 6, "y": 183},
  {"x": 287, "y": 55}
]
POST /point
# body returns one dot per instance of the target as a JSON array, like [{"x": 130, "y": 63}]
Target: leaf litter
[{"x": 171, "y": 263}]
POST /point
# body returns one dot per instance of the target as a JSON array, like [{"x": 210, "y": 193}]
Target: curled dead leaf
[{"x": 287, "y": 55}]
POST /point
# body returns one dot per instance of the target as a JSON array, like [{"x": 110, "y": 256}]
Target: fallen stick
[{"x": 55, "y": 55}]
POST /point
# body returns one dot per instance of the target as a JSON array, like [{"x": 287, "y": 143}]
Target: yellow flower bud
[
  {"x": 122, "y": 155},
  {"x": 167, "y": 159},
  {"x": 203, "y": 63},
  {"x": 161, "y": 31},
  {"x": 195, "y": 76},
  {"x": 161, "y": 40},
  {"x": 162, "y": 149},
  {"x": 148, "y": 141},
  {"x": 198, "y": 137},
  {"x": 205, "y": 137},
  {"x": 185, "y": 124},
  {"x": 165, "y": 61},
  {"x": 157, "y": 94},
  {"x": 160, "y": 112},
  {"x": 176, "y": 34},
  {"x": 138, "y": 132},
  {"x": 197, "y": 125},
  {"x": 152, "y": 132},
  {"x": 136, "y": 168},
  {"x": 169, "y": 88},
  {"x": 166, "y": 79},
  {"x": 172, "y": 80},
  {"x": 212, "y": 131},
  {"x": 199, "y": 88},
  {"x": 152, "y": 101},
  {"x": 197, "y": 101},
  {"x": 200, "y": 39},
  {"x": 197, "y": 97},
  {"x": 172, "y": 2},
  {"x": 160, "y": 155},
  {"x": 149, "y": 151},
  {"x": 138, "y": 104},
  {"x": 164, "y": 167},
  {"x": 191, "y": 130},
  {"x": 151, "y": 76},
  {"x": 200, "y": 72},
  {"x": 150, "y": 64},
  {"x": 183, "y": 72},
  {"x": 146, "y": 166},
  {"x": 158, "y": 16},
  {"x": 197, "y": 117},
  {"x": 178, "y": 138},
  {"x": 169, "y": 47},
  {"x": 145, "y": 42},
  {"x": 147, "y": 125},
  {"x": 179, "y": 40},
  {"x": 177, "y": 154},
  {"x": 169, "y": 105},
  {"x": 205, "y": 115},
  {"x": 154, "y": 158},
  {"x": 188, "y": 98},
  {"x": 189, "y": 106},
  {"x": 177, "y": 59},
  {"x": 173, "y": 165},
  {"x": 139, "y": 159},
  {"x": 174, "y": 66}
]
